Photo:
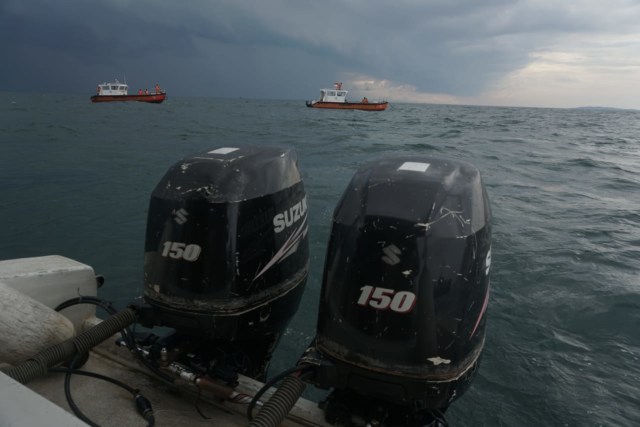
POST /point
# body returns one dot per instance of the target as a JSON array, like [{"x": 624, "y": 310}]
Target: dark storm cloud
[
  {"x": 62, "y": 45},
  {"x": 281, "y": 48}
]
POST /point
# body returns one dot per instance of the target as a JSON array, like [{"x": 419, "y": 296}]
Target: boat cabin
[
  {"x": 115, "y": 88},
  {"x": 333, "y": 95}
]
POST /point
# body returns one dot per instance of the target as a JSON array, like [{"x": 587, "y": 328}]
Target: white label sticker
[
  {"x": 414, "y": 166},
  {"x": 223, "y": 150}
]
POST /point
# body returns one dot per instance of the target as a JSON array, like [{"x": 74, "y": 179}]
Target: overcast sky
[{"x": 544, "y": 53}]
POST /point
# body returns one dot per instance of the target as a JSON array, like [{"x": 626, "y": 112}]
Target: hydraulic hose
[
  {"x": 40, "y": 363},
  {"x": 276, "y": 409}
]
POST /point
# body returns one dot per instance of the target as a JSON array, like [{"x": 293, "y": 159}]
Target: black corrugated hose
[
  {"x": 40, "y": 363},
  {"x": 275, "y": 410}
]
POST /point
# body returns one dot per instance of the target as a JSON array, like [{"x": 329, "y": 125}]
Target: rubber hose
[
  {"x": 48, "y": 358},
  {"x": 276, "y": 409}
]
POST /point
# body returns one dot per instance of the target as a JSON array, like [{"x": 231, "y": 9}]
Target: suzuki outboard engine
[
  {"x": 226, "y": 255},
  {"x": 401, "y": 321}
]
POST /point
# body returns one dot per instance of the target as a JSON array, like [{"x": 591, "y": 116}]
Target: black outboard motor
[
  {"x": 401, "y": 323},
  {"x": 226, "y": 253}
]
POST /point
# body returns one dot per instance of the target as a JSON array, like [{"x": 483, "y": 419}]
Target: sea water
[{"x": 563, "y": 323}]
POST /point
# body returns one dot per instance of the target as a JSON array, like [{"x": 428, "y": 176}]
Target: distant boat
[
  {"x": 116, "y": 91},
  {"x": 336, "y": 98}
]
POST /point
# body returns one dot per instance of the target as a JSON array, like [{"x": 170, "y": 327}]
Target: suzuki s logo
[
  {"x": 290, "y": 216},
  {"x": 391, "y": 253},
  {"x": 181, "y": 216}
]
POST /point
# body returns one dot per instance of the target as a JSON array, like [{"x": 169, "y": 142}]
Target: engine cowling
[
  {"x": 406, "y": 284},
  {"x": 226, "y": 250}
]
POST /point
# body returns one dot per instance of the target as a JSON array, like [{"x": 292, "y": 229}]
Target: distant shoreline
[{"x": 605, "y": 108}]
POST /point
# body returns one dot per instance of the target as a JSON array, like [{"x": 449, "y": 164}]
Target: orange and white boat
[
  {"x": 116, "y": 91},
  {"x": 336, "y": 98}
]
